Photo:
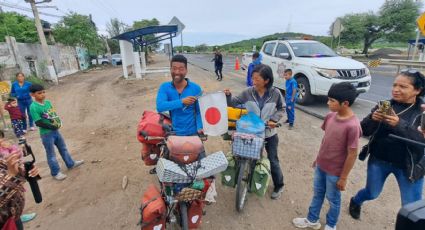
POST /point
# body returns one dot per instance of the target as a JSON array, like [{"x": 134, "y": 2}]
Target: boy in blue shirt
[
  {"x": 256, "y": 60},
  {"x": 290, "y": 97}
]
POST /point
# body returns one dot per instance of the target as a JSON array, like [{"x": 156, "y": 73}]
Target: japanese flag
[{"x": 213, "y": 108}]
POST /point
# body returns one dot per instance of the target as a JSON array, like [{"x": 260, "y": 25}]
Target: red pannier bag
[
  {"x": 150, "y": 154},
  {"x": 153, "y": 210},
  {"x": 184, "y": 149},
  {"x": 151, "y": 124},
  {"x": 194, "y": 214}
]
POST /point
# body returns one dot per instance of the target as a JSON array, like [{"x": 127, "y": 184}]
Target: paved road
[{"x": 382, "y": 79}]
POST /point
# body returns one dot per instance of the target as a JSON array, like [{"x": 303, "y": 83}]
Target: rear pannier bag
[{"x": 150, "y": 154}]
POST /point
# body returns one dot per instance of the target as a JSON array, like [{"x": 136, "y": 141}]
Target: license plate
[{"x": 353, "y": 73}]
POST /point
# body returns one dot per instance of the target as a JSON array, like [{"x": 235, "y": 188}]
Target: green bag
[
  {"x": 229, "y": 176},
  {"x": 261, "y": 177}
]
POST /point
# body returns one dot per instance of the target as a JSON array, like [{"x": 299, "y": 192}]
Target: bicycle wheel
[
  {"x": 183, "y": 216},
  {"x": 242, "y": 186}
]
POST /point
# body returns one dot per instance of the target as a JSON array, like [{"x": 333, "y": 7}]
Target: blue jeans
[
  {"x": 49, "y": 141},
  {"x": 24, "y": 106},
  {"x": 377, "y": 173},
  {"x": 290, "y": 112},
  {"x": 325, "y": 185}
]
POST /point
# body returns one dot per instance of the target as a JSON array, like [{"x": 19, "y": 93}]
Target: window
[
  {"x": 281, "y": 48},
  {"x": 311, "y": 50},
  {"x": 268, "y": 48}
]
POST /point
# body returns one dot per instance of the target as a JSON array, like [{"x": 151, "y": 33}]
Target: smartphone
[
  {"x": 423, "y": 121},
  {"x": 385, "y": 107}
]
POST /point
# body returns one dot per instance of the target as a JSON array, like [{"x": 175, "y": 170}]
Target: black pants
[
  {"x": 271, "y": 149},
  {"x": 19, "y": 224},
  {"x": 218, "y": 72}
]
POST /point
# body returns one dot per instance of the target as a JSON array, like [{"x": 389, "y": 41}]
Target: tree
[
  {"x": 114, "y": 28},
  {"x": 78, "y": 30},
  {"x": 145, "y": 23},
  {"x": 18, "y": 26},
  {"x": 395, "y": 21}
]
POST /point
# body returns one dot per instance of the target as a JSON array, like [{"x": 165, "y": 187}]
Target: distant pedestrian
[
  {"x": 336, "y": 158},
  {"x": 16, "y": 116},
  {"x": 256, "y": 60},
  {"x": 20, "y": 90},
  {"x": 48, "y": 121},
  {"x": 218, "y": 64},
  {"x": 291, "y": 87}
]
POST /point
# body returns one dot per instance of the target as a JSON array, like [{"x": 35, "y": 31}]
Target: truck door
[
  {"x": 282, "y": 58},
  {"x": 267, "y": 52}
]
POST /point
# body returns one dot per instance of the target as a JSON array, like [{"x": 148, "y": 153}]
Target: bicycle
[
  {"x": 179, "y": 197},
  {"x": 245, "y": 168}
]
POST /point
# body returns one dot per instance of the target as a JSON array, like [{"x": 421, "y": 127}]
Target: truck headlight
[
  {"x": 328, "y": 73},
  {"x": 367, "y": 71}
]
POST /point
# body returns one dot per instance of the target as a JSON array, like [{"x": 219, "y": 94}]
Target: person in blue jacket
[
  {"x": 256, "y": 60},
  {"x": 20, "y": 90},
  {"x": 179, "y": 97}
]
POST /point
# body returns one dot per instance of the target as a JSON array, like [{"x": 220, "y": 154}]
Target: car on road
[
  {"x": 103, "y": 60},
  {"x": 116, "y": 58},
  {"x": 315, "y": 67}
]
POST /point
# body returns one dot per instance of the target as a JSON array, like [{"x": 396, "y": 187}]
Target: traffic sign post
[{"x": 180, "y": 28}]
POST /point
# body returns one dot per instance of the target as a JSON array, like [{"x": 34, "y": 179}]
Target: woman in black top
[{"x": 390, "y": 156}]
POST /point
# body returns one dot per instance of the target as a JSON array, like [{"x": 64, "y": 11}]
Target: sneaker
[
  {"x": 304, "y": 223},
  {"x": 28, "y": 217},
  {"x": 277, "y": 192},
  {"x": 32, "y": 128},
  {"x": 60, "y": 176},
  {"x": 291, "y": 127},
  {"x": 354, "y": 209},
  {"x": 287, "y": 121},
  {"x": 77, "y": 163},
  {"x": 327, "y": 227}
]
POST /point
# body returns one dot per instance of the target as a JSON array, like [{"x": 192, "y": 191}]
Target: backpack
[
  {"x": 151, "y": 124},
  {"x": 184, "y": 149},
  {"x": 150, "y": 154},
  {"x": 153, "y": 210}
]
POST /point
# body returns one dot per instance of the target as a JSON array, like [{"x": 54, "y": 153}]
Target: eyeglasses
[{"x": 412, "y": 72}]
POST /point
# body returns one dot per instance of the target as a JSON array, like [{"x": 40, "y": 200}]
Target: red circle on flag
[{"x": 212, "y": 115}]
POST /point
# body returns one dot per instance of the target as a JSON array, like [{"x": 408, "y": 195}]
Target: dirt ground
[{"x": 100, "y": 112}]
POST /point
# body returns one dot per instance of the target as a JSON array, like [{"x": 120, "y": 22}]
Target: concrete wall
[{"x": 29, "y": 59}]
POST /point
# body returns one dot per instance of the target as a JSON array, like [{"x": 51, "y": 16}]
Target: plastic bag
[{"x": 251, "y": 123}]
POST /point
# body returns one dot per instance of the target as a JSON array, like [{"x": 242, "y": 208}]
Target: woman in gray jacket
[{"x": 267, "y": 102}]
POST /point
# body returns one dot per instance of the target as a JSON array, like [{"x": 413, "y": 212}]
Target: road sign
[
  {"x": 421, "y": 23},
  {"x": 337, "y": 28},
  {"x": 180, "y": 25}
]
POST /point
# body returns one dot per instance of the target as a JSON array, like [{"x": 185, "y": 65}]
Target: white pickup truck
[{"x": 315, "y": 67}]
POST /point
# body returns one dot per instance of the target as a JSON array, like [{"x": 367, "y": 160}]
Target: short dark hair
[
  {"x": 287, "y": 71},
  {"x": 343, "y": 91},
  {"x": 266, "y": 73},
  {"x": 36, "y": 87},
  {"x": 10, "y": 99},
  {"x": 179, "y": 58},
  {"x": 18, "y": 73},
  {"x": 255, "y": 55},
  {"x": 417, "y": 79}
]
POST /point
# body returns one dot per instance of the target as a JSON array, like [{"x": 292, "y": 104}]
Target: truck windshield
[{"x": 312, "y": 50}]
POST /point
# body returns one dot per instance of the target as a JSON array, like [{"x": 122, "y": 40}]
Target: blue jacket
[
  {"x": 251, "y": 69},
  {"x": 184, "y": 121},
  {"x": 21, "y": 93}
]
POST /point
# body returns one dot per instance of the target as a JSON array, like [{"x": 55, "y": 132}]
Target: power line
[{"x": 26, "y": 9}]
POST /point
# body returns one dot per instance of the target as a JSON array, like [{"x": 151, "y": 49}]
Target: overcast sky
[{"x": 216, "y": 21}]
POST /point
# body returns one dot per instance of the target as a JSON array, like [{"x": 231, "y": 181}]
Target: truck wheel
[
  {"x": 304, "y": 92},
  {"x": 105, "y": 63}
]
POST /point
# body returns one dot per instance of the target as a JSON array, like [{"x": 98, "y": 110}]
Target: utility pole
[{"x": 44, "y": 46}]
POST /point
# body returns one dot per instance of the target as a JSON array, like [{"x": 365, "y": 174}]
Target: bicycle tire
[
  {"x": 183, "y": 216},
  {"x": 242, "y": 185}
]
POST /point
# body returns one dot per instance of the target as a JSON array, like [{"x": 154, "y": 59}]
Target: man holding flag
[{"x": 179, "y": 97}]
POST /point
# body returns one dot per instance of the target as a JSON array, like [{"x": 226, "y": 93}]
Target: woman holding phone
[{"x": 391, "y": 156}]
